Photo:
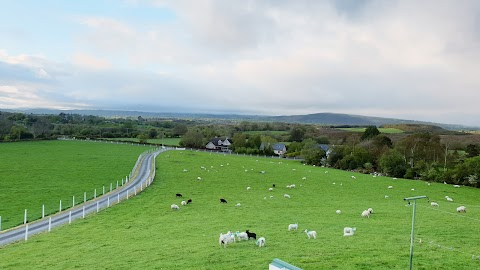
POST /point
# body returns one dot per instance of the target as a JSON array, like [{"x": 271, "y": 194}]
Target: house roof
[
  {"x": 219, "y": 141},
  {"x": 279, "y": 146}
]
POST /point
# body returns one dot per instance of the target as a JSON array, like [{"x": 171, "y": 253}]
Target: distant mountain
[{"x": 329, "y": 119}]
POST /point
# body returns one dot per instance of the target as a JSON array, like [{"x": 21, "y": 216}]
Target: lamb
[
  {"x": 199, "y": 178},
  {"x": 223, "y": 200},
  {"x": 174, "y": 207},
  {"x": 434, "y": 204},
  {"x": 304, "y": 178},
  {"x": 260, "y": 242},
  {"x": 225, "y": 239},
  {"x": 178, "y": 195},
  {"x": 461, "y": 209},
  {"x": 456, "y": 186},
  {"x": 338, "y": 212},
  {"x": 286, "y": 196},
  {"x": 449, "y": 199},
  {"x": 185, "y": 170},
  {"x": 386, "y": 197},
  {"x": 189, "y": 201},
  {"x": 248, "y": 188},
  {"x": 251, "y": 235},
  {"x": 370, "y": 210},
  {"x": 293, "y": 226},
  {"x": 184, "y": 203},
  {"x": 366, "y": 213},
  {"x": 353, "y": 177},
  {"x": 241, "y": 235},
  {"x": 311, "y": 234},
  {"x": 292, "y": 186},
  {"x": 390, "y": 187},
  {"x": 347, "y": 231},
  {"x": 238, "y": 204},
  {"x": 270, "y": 189}
]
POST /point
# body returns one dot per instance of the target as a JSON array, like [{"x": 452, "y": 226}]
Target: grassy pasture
[
  {"x": 382, "y": 130},
  {"x": 144, "y": 233},
  {"x": 45, "y": 172}
]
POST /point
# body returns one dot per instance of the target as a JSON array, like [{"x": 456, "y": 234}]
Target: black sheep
[
  {"x": 223, "y": 201},
  {"x": 179, "y": 195},
  {"x": 251, "y": 235},
  {"x": 189, "y": 201}
]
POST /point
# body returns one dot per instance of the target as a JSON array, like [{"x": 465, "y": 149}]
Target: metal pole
[{"x": 411, "y": 235}]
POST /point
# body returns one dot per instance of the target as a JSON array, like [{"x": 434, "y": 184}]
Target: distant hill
[{"x": 327, "y": 119}]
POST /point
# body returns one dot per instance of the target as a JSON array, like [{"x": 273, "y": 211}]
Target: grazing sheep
[
  {"x": 456, "y": 186},
  {"x": 390, "y": 187},
  {"x": 292, "y": 186},
  {"x": 461, "y": 209},
  {"x": 434, "y": 204},
  {"x": 366, "y": 213},
  {"x": 286, "y": 196},
  {"x": 347, "y": 231},
  {"x": 386, "y": 196},
  {"x": 273, "y": 185},
  {"x": 174, "y": 207},
  {"x": 238, "y": 204},
  {"x": 184, "y": 203},
  {"x": 241, "y": 236},
  {"x": 449, "y": 199},
  {"x": 338, "y": 212},
  {"x": 178, "y": 195},
  {"x": 271, "y": 197},
  {"x": 370, "y": 210},
  {"x": 353, "y": 177},
  {"x": 199, "y": 178},
  {"x": 251, "y": 234},
  {"x": 185, "y": 170},
  {"x": 225, "y": 239},
  {"x": 223, "y": 200},
  {"x": 260, "y": 242},
  {"x": 394, "y": 178},
  {"x": 189, "y": 201},
  {"x": 293, "y": 226},
  {"x": 248, "y": 188},
  {"x": 413, "y": 189},
  {"x": 311, "y": 234},
  {"x": 270, "y": 189},
  {"x": 304, "y": 178}
]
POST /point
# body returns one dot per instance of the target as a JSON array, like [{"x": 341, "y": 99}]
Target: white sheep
[
  {"x": 270, "y": 189},
  {"x": 434, "y": 204},
  {"x": 174, "y": 207},
  {"x": 248, "y": 188},
  {"x": 338, "y": 212},
  {"x": 348, "y": 231},
  {"x": 225, "y": 239},
  {"x": 304, "y": 178},
  {"x": 238, "y": 204},
  {"x": 311, "y": 234},
  {"x": 366, "y": 213},
  {"x": 461, "y": 209},
  {"x": 353, "y": 177},
  {"x": 292, "y": 186},
  {"x": 286, "y": 196},
  {"x": 293, "y": 226},
  {"x": 260, "y": 242},
  {"x": 456, "y": 186},
  {"x": 185, "y": 170},
  {"x": 386, "y": 197},
  {"x": 449, "y": 199},
  {"x": 241, "y": 236},
  {"x": 199, "y": 178},
  {"x": 184, "y": 203},
  {"x": 370, "y": 210},
  {"x": 390, "y": 187}
]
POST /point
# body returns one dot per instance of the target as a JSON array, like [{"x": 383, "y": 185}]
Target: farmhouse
[
  {"x": 278, "y": 148},
  {"x": 219, "y": 144}
]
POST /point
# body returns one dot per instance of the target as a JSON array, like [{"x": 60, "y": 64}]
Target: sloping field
[
  {"x": 45, "y": 172},
  {"x": 144, "y": 233}
]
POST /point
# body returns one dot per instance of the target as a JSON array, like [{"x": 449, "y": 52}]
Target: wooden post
[{"x": 49, "y": 223}]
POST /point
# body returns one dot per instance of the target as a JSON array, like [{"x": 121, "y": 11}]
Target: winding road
[{"x": 142, "y": 176}]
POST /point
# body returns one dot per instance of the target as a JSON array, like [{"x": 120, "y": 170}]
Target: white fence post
[
  {"x": 95, "y": 194},
  {"x": 84, "y": 197},
  {"x": 60, "y": 208},
  {"x": 118, "y": 198},
  {"x": 25, "y": 217},
  {"x": 83, "y": 212},
  {"x": 73, "y": 200},
  {"x": 108, "y": 202},
  {"x": 49, "y": 223},
  {"x": 117, "y": 183},
  {"x": 43, "y": 210},
  {"x": 97, "y": 207},
  {"x": 26, "y": 232},
  {"x": 70, "y": 217},
  {"x": 122, "y": 182}
]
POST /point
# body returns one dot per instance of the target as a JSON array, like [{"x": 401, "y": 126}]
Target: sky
[{"x": 408, "y": 59}]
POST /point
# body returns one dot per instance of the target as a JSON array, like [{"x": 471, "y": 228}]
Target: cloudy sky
[{"x": 414, "y": 59}]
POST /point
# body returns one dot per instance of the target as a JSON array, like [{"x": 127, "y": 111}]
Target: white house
[{"x": 219, "y": 144}]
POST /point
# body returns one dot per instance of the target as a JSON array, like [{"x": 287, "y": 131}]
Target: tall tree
[{"x": 370, "y": 132}]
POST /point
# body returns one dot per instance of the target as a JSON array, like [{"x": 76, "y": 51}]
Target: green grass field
[
  {"x": 165, "y": 141},
  {"x": 382, "y": 130},
  {"x": 144, "y": 233},
  {"x": 36, "y": 173}
]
